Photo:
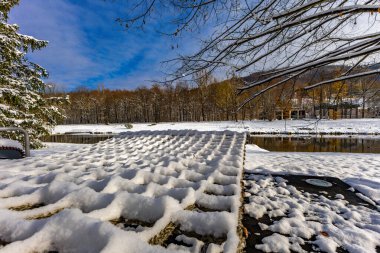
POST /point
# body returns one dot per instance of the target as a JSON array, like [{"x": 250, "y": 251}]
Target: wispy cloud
[{"x": 87, "y": 47}]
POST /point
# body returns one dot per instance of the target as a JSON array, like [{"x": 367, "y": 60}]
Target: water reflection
[
  {"x": 316, "y": 144},
  {"x": 80, "y": 139}
]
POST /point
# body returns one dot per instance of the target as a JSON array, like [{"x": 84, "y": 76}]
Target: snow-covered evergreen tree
[{"x": 21, "y": 86}]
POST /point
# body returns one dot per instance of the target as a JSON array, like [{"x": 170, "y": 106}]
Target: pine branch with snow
[{"x": 21, "y": 84}]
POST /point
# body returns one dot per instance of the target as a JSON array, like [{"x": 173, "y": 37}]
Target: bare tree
[
  {"x": 367, "y": 90},
  {"x": 203, "y": 80},
  {"x": 282, "y": 39}
]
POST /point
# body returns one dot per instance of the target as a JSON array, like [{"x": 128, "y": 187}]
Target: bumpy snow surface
[
  {"x": 361, "y": 171},
  {"x": 299, "y": 217},
  {"x": 125, "y": 195}
]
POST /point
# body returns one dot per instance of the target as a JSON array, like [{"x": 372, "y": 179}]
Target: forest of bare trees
[
  {"x": 180, "y": 102},
  {"x": 209, "y": 100}
]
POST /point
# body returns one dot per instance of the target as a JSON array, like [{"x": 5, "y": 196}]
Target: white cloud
[{"x": 87, "y": 47}]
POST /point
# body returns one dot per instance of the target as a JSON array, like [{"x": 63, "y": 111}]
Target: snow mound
[
  {"x": 251, "y": 148},
  {"x": 126, "y": 194},
  {"x": 10, "y": 144}
]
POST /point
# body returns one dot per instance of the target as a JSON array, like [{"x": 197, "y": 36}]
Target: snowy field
[
  {"x": 329, "y": 223},
  {"x": 361, "y": 171},
  {"x": 293, "y": 218},
  {"x": 344, "y": 126},
  {"x": 125, "y": 195},
  {"x": 130, "y": 192}
]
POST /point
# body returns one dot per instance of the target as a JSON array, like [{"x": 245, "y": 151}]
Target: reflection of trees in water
[
  {"x": 80, "y": 139},
  {"x": 317, "y": 144}
]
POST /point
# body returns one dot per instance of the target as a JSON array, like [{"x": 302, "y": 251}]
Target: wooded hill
[{"x": 209, "y": 100}]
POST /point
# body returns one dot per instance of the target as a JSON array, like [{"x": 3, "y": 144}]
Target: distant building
[{"x": 347, "y": 108}]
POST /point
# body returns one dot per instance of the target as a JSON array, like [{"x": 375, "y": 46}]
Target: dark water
[
  {"x": 80, "y": 139},
  {"x": 272, "y": 143},
  {"x": 316, "y": 144}
]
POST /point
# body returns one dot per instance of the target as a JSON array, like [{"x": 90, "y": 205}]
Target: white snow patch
[
  {"x": 147, "y": 176},
  {"x": 275, "y": 243},
  {"x": 334, "y": 223},
  {"x": 10, "y": 143},
  {"x": 358, "y": 170},
  {"x": 254, "y": 148},
  {"x": 342, "y": 126}
]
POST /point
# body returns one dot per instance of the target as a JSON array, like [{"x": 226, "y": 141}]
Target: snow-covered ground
[
  {"x": 299, "y": 217},
  {"x": 343, "y": 126},
  {"x": 90, "y": 198},
  {"x": 327, "y": 222},
  {"x": 56, "y": 148},
  {"x": 123, "y": 194},
  {"x": 361, "y": 171}
]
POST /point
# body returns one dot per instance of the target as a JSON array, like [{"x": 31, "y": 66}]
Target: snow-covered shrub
[
  {"x": 21, "y": 84},
  {"x": 128, "y": 126}
]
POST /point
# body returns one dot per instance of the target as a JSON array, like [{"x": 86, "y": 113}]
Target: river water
[
  {"x": 355, "y": 144},
  {"x": 317, "y": 143}
]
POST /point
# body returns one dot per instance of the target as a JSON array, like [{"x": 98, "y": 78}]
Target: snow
[
  {"x": 302, "y": 216},
  {"x": 275, "y": 243},
  {"x": 361, "y": 171},
  {"x": 343, "y": 126},
  {"x": 253, "y": 148},
  {"x": 64, "y": 197},
  {"x": 326, "y": 223},
  {"x": 69, "y": 197},
  {"x": 10, "y": 143},
  {"x": 55, "y": 148}
]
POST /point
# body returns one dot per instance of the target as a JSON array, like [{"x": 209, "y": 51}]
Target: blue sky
[{"x": 88, "y": 48}]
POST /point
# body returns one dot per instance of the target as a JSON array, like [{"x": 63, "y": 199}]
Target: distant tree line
[
  {"x": 158, "y": 103},
  {"x": 209, "y": 100}
]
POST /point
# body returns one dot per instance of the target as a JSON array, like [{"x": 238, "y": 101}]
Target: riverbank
[{"x": 304, "y": 127}]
